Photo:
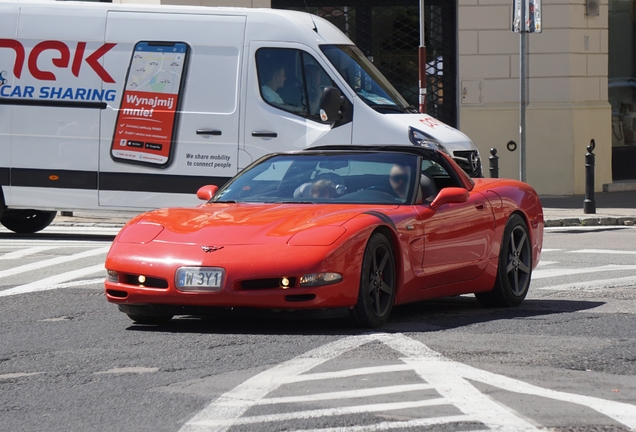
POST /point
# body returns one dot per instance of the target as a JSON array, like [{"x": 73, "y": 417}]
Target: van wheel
[{"x": 27, "y": 221}]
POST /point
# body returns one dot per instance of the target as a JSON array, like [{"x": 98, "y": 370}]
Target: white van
[{"x": 133, "y": 107}]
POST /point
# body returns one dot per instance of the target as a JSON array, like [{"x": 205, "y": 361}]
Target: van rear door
[
  {"x": 206, "y": 125},
  {"x": 57, "y": 97}
]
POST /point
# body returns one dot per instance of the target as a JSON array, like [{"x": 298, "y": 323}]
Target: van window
[{"x": 291, "y": 80}]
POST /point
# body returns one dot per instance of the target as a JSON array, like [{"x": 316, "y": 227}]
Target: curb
[{"x": 597, "y": 221}]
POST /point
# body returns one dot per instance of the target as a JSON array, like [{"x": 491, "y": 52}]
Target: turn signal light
[{"x": 112, "y": 276}]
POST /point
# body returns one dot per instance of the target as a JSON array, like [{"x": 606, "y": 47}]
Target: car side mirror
[
  {"x": 205, "y": 193},
  {"x": 450, "y": 195},
  {"x": 330, "y": 104}
]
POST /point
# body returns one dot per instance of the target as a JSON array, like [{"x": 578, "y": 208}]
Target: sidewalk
[{"x": 612, "y": 208}]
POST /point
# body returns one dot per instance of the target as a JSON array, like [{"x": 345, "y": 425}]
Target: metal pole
[
  {"x": 523, "y": 101},
  {"x": 589, "y": 204},
  {"x": 422, "y": 59},
  {"x": 494, "y": 163}
]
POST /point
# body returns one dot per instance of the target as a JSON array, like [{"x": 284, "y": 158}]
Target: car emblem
[{"x": 207, "y": 249}]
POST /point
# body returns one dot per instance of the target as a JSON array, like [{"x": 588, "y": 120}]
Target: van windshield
[{"x": 363, "y": 77}]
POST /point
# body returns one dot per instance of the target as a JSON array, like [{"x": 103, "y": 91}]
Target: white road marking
[
  {"x": 550, "y": 250},
  {"x": 383, "y": 426},
  {"x": 125, "y": 370},
  {"x": 26, "y": 252},
  {"x": 54, "y": 282},
  {"x": 326, "y": 412},
  {"x": 347, "y": 394},
  {"x": 545, "y": 263},
  {"x": 53, "y": 261},
  {"x": 548, "y": 273},
  {"x": 594, "y": 285},
  {"x": 348, "y": 373},
  {"x": 448, "y": 378},
  {"x": 603, "y": 251},
  {"x": 18, "y": 375}
]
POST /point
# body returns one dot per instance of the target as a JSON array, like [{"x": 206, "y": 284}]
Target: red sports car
[{"x": 350, "y": 229}]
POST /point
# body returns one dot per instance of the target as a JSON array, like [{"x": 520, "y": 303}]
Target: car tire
[
  {"x": 515, "y": 267},
  {"x": 27, "y": 221},
  {"x": 376, "y": 294},
  {"x": 150, "y": 319}
]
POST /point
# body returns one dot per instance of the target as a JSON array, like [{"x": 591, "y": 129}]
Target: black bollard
[
  {"x": 589, "y": 205},
  {"x": 494, "y": 163}
]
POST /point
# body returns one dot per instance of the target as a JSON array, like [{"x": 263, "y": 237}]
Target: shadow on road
[{"x": 427, "y": 316}]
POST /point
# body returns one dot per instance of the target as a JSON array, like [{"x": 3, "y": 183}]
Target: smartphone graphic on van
[{"x": 147, "y": 118}]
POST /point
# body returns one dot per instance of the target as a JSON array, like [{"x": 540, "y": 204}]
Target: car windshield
[
  {"x": 373, "y": 178},
  {"x": 363, "y": 77}
]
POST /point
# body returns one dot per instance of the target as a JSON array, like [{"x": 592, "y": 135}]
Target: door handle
[
  {"x": 209, "y": 132},
  {"x": 480, "y": 205},
  {"x": 262, "y": 134}
]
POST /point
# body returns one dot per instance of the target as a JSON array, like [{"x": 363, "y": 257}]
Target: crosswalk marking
[
  {"x": 451, "y": 380},
  {"x": 395, "y": 425},
  {"x": 594, "y": 285},
  {"x": 21, "y": 253},
  {"x": 603, "y": 251},
  {"x": 52, "y": 261},
  {"x": 348, "y": 373},
  {"x": 347, "y": 394},
  {"x": 555, "y": 272},
  {"x": 55, "y": 282}
]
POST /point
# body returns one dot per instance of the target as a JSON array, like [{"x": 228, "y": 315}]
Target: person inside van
[{"x": 273, "y": 75}]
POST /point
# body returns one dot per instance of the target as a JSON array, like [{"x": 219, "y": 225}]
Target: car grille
[{"x": 469, "y": 161}]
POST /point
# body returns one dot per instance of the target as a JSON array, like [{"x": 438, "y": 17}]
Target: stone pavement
[{"x": 612, "y": 208}]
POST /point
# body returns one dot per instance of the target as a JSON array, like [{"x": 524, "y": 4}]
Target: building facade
[{"x": 581, "y": 77}]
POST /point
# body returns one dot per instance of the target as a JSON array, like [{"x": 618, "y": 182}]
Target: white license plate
[{"x": 200, "y": 278}]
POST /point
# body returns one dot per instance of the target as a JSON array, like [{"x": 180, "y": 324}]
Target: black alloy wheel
[
  {"x": 377, "y": 284},
  {"x": 515, "y": 267}
]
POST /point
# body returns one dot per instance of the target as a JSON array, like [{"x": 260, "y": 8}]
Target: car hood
[{"x": 244, "y": 224}]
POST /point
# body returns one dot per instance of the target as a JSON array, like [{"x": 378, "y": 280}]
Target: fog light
[
  {"x": 141, "y": 279},
  {"x": 284, "y": 283},
  {"x": 112, "y": 276},
  {"x": 317, "y": 279}
]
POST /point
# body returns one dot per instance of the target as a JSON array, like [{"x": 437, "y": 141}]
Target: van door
[
  {"x": 55, "y": 126},
  {"x": 284, "y": 83},
  {"x": 197, "y": 89}
]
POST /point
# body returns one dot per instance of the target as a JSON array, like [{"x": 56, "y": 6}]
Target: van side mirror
[
  {"x": 450, "y": 195},
  {"x": 330, "y": 103},
  {"x": 205, "y": 193}
]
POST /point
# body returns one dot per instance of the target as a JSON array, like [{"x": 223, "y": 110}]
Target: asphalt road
[{"x": 565, "y": 360}]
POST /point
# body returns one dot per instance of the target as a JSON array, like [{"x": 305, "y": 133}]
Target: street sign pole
[
  {"x": 422, "y": 59},
  {"x": 526, "y": 18},
  {"x": 523, "y": 101}
]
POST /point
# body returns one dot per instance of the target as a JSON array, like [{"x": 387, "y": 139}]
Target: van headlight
[{"x": 423, "y": 139}]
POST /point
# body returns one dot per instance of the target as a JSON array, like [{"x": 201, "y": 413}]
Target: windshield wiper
[
  {"x": 225, "y": 202},
  {"x": 297, "y": 202}
]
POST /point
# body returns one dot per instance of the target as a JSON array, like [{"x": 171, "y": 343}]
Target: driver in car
[{"x": 399, "y": 179}]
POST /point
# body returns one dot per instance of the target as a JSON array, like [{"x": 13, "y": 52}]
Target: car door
[
  {"x": 284, "y": 118},
  {"x": 457, "y": 236}
]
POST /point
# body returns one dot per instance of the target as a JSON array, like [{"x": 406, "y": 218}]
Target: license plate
[{"x": 200, "y": 278}]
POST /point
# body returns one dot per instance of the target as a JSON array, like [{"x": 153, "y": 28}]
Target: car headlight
[
  {"x": 423, "y": 139},
  {"x": 318, "y": 279}
]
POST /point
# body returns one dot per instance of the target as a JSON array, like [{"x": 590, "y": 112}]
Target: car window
[
  {"x": 291, "y": 80},
  {"x": 377, "y": 178}
]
